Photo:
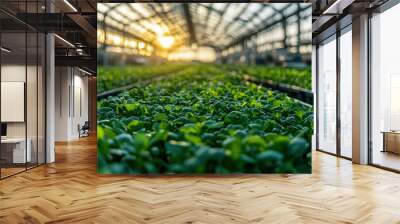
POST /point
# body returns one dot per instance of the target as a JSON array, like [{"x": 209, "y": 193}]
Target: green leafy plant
[
  {"x": 203, "y": 120},
  {"x": 113, "y": 77},
  {"x": 291, "y": 76}
]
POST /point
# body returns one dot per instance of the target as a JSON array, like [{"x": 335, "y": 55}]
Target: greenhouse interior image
[
  {"x": 199, "y": 112},
  {"x": 214, "y": 96}
]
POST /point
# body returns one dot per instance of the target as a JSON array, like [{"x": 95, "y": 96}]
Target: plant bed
[
  {"x": 300, "y": 78},
  {"x": 301, "y": 94},
  {"x": 203, "y": 121},
  {"x": 113, "y": 77}
]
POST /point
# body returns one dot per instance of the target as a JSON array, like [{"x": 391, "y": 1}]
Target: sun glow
[
  {"x": 117, "y": 40},
  {"x": 203, "y": 54},
  {"x": 166, "y": 41}
]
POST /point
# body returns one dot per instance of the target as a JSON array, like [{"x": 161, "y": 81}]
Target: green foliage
[
  {"x": 112, "y": 77},
  {"x": 204, "y": 120},
  {"x": 290, "y": 76}
]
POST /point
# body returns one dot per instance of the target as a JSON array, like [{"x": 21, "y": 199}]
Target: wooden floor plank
[{"x": 70, "y": 191}]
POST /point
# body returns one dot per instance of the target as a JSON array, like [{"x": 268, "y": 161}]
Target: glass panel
[
  {"x": 32, "y": 90},
  {"x": 31, "y": 97},
  {"x": 22, "y": 89},
  {"x": 41, "y": 99},
  {"x": 327, "y": 96},
  {"x": 346, "y": 94},
  {"x": 385, "y": 84}
]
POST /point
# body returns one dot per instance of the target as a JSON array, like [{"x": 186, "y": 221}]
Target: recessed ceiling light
[
  {"x": 70, "y": 5},
  {"x": 5, "y": 50},
  {"x": 337, "y": 7},
  {"x": 86, "y": 72},
  {"x": 64, "y": 40}
]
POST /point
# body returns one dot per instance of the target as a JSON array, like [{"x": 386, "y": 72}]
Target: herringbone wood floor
[{"x": 69, "y": 191}]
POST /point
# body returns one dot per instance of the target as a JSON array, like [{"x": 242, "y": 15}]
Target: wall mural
[{"x": 191, "y": 88}]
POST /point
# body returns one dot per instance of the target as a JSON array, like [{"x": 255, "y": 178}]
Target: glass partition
[
  {"x": 385, "y": 89},
  {"x": 41, "y": 97},
  {"x": 22, "y": 91},
  {"x": 327, "y": 96},
  {"x": 32, "y": 98},
  {"x": 14, "y": 153}
]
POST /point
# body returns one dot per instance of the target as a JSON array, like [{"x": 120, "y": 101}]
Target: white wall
[
  {"x": 62, "y": 82},
  {"x": 71, "y": 87},
  {"x": 80, "y": 100}
]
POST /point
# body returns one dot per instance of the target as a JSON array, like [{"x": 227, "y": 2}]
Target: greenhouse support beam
[
  {"x": 189, "y": 21},
  {"x": 220, "y": 18},
  {"x": 298, "y": 29}
]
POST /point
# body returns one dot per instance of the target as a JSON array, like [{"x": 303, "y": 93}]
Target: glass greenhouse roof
[{"x": 207, "y": 24}]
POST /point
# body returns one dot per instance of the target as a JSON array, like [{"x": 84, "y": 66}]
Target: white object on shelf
[{"x": 12, "y": 101}]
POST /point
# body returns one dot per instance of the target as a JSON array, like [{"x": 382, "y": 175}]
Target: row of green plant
[
  {"x": 291, "y": 76},
  {"x": 113, "y": 77},
  {"x": 117, "y": 76},
  {"x": 203, "y": 120}
]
